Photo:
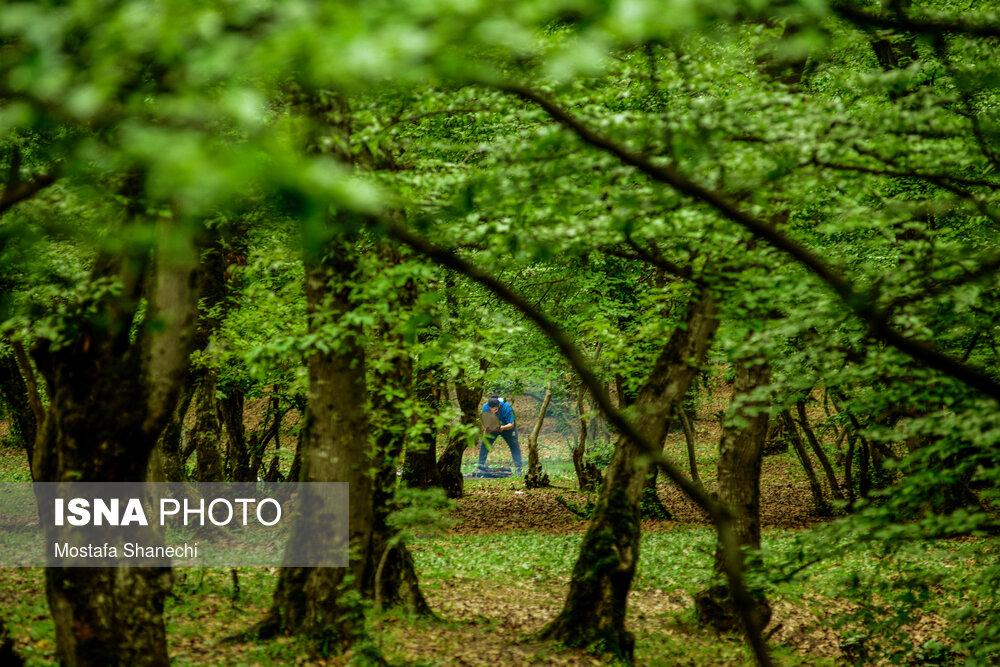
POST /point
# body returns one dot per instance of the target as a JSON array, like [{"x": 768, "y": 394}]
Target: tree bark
[
  {"x": 741, "y": 453},
  {"x": 420, "y": 470},
  {"x": 165, "y": 463},
  {"x": 535, "y": 479},
  {"x": 588, "y": 477},
  {"x": 270, "y": 430},
  {"x": 650, "y": 505},
  {"x": 14, "y": 391},
  {"x": 594, "y": 611},
  {"x": 450, "y": 462},
  {"x": 689, "y": 439},
  {"x": 237, "y": 452},
  {"x": 824, "y": 460},
  {"x": 336, "y": 447},
  {"x": 820, "y": 506},
  {"x": 852, "y": 440},
  {"x": 207, "y": 432},
  {"x": 390, "y": 575},
  {"x": 110, "y": 396}
]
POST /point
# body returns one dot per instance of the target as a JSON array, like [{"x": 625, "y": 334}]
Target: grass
[
  {"x": 494, "y": 586},
  {"x": 492, "y": 592}
]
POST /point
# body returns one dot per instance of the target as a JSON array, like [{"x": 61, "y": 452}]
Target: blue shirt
[{"x": 505, "y": 413}]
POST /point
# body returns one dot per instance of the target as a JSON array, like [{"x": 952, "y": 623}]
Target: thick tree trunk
[
  {"x": 741, "y": 453},
  {"x": 110, "y": 395},
  {"x": 390, "y": 576},
  {"x": 535, "y": 478},
  {"x": 594, "y": 611},
  {"x": 336, "y": 447},
  {"x": 420, "y": 470},
  {"x": 820, "y": 506},
  {"x": 450, "y": 462}
]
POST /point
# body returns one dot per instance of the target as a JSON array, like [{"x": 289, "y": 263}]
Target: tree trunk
[
  {"x": 420, "y": 470},
  {"x": 207, "y": 432},
  {"x": 594, "y": 611},
  {"x": 588, "y": 477},
  {"x": 820, "y": 506},
  {"x": 689, "y": 439},
  {"x": 322, "y": 602},
  {"x": 237, "y": 452},
  {"x": 166, "y": 464},
  {"x": 535, "y": 479},
  {"x": 824, "y": 460},
  {"x": 269, "y": 431},
  {"x": 111, "y": 392},
  {"x": 650, "y": 505},
  {"x": 395, "y": 582},
  {"x": 741, "y": 453},
  {"x": 852, "y": 440},
  {"x": 865, "y": 480},
  {"x": 450, "y": 463},
  {"x": 895, "y": 53},
  {"x": 776, "y": 441},
  {"x": 14, "y": 391}
]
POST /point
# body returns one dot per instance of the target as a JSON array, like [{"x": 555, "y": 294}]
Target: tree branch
[
  {"x": 928, "y": 24},
  {"x": 862, "y": 305},
  {"x": 15, "y": 193},
  {"x": 941, "y": 180},
  {"x": 987, "y": 267},
  {"x": 660, "y": 262}
]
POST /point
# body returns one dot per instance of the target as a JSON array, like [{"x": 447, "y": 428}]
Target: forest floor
[
  {"x": 495, "y": 578},
  {"x": 499, "y": 573}
]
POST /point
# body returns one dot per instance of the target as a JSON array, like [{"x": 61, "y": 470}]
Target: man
[{"x": 503, "y": 411}]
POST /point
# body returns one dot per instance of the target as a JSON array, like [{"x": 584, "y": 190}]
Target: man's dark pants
[{"x": 511, "y": 437}]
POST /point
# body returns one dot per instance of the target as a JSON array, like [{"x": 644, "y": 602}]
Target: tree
[
  {"x": 93, "y": 368},
  {"x": 324, "y": 601},
  {"x": 594, "y": 611},
  {"x": 741, "y": 452}
]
